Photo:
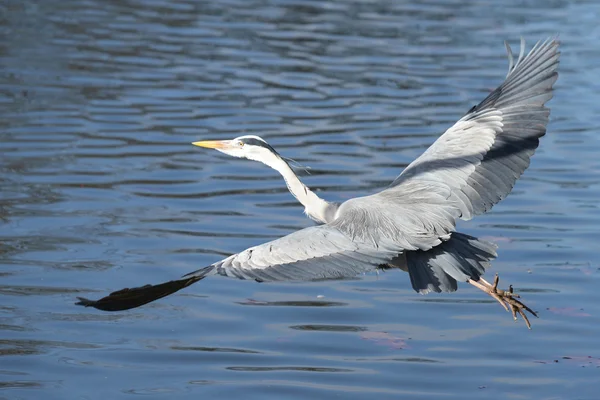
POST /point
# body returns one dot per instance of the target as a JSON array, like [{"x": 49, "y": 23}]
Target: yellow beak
[{"x": 212, "y": 144}]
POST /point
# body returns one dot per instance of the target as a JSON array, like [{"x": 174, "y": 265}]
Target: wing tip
[{"x": 552, "y": 41}]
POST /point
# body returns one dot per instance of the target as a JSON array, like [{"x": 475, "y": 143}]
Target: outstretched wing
[
  {"x": 318, "y": 252},
  {"x": 129, "y": 298},
  {"x": 480, "y": 158}
]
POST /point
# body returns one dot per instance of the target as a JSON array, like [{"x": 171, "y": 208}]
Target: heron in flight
[{"x": 411, "y": 224}]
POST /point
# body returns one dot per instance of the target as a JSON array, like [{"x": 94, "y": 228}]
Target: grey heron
[{"x": 411, "y": 224}]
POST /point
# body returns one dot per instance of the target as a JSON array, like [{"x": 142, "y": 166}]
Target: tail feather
[{"x": 461, "y": 258}]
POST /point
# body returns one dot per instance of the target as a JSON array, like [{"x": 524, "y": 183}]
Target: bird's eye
[{"x": 241, "y": 144}]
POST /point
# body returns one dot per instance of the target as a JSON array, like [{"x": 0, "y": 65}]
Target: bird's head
[{"x": 249, "y": 146}]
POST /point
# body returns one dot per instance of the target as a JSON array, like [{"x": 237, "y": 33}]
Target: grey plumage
[
  {"x": 464, "y": 173},
  {"x": 480, "y": 158},
  {"x": 461, "y": 258}
]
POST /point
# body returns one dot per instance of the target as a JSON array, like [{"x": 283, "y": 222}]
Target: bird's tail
[
  {"x": 461, "y": 258},
  {"x": 128, "y": 298}
]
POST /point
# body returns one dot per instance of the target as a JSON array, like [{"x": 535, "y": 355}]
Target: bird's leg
[
  {"x": 485, "y": 286},
  {"x": 506, "y": 298}
]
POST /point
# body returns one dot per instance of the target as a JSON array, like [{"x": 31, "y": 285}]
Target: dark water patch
[
  {"x": 328, "y": 328},
  {"x": 297, "y": 303},
  {"x": 215, "y": 349},
  {"x": 288, "y": 368}
]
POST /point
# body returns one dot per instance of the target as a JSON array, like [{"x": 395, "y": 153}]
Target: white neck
[{"x": 314, "y": 206}]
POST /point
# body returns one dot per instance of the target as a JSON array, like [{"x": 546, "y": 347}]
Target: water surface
[{"x": 100, "y": 189}]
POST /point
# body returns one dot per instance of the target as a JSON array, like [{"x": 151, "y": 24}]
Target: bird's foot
[{"x": 506, "y": 298}]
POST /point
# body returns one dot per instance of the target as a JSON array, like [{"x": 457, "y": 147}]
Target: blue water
[{"x": 100, "y": 189}]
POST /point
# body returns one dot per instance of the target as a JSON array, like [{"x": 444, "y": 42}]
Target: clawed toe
[{"x": 506, "y": 298}]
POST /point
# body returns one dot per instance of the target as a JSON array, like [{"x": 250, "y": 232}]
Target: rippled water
[{"x": 100, "y": 189}]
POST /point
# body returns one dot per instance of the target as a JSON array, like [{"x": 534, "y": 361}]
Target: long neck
[{"x": 314, "y": 206}]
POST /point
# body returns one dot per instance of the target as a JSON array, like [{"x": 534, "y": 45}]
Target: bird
[{"x": 411, "y": 224}]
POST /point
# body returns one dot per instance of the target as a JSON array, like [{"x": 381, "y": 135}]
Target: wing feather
[
  {"x": 480, "y": 158},
  {"x": 318, "y": 252}
]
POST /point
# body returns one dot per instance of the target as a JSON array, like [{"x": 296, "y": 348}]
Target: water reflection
[
  {"x": 297, "y": 303},
  {"x": 29, "y": 347},
  {"x": 214, "y": 349},
  {"x": 274, "y": 369},
  {"x": 328, "y": 328}
]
